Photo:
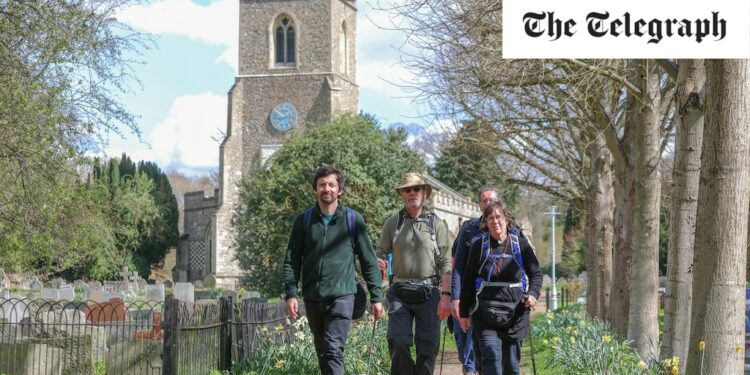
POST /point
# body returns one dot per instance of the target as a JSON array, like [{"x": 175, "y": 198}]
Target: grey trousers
[
  {"x": 423, "y": 320},
  {"x": 330, "y": 322}
]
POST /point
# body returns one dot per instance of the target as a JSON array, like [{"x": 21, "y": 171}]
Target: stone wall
[{"x": 451, "y": 206}]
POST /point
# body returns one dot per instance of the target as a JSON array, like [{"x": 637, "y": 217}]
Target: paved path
[{"x": 451, "y": 366}]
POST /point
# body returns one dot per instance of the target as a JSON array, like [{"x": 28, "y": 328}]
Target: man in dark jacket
[{"x": 323, "y": 255}]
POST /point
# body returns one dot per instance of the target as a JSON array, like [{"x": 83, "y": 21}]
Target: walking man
[
  {"x": 468, "y": 353},
  {"x": 322, "y": 254},
  {"x": 419, "y": 297}
]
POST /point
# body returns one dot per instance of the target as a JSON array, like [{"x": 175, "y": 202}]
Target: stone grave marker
[
  {"x": 114, "y": 310},
  {"x": 198, "y": 283},
  {"x": 14, "y": 310},
  {"x": 209, "y": 281},
  {"x": 168, "y": 283},
  {"x": 67, "y": 292},
  {"x": 96, "y": 283},
  {"x": 36, "y": 284},
  {"x": 114, "y": 295},
  {"x": 57, "y": 283},
  {"x": 251, "y": 294},
  {"x": 96, "y": 295},
  {"x": 141, "y": 284},
  {"x": 51, "y": 293},
  {"x": 184, "y": 292},
  {"x": 155, "y": 292}
]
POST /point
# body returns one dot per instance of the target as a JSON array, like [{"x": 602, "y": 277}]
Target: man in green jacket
[
  {"x": 323, "y": 256},
  {"x": 419, "y": 297}
]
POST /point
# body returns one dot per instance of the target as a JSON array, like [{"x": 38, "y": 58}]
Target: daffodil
[
  {"x": 300, "y": 335},
  {"x": 676, "y": 361},
  {"x": 278, "y": 328},
  {"x": 280, "y": 363},
  {"x": 572, "y": 340},
  {"x": 702, "y": 345},
  {"x": 675, "y": 370},
  {"x": 545, "y": 342},
  {"x": 607, "y": 339},
  {"x": 739, "y": 348},
  {"x": 641, "y": 365}
]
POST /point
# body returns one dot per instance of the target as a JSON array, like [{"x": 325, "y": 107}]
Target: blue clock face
[{"x": 283, "y": 117}]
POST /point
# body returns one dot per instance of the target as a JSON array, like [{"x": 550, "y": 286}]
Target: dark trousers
[
  {"x": 424, "y": 320},
  {"x": 330, "y": 322},
  {"x": 501, "y": 355},
  {"x": 465, "y": 346}
]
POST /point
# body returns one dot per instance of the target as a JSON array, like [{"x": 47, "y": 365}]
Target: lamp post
[{"x": 553, "y": 301}]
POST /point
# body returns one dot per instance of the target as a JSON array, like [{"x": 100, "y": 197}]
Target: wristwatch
[{"x": 445, "y": 294}]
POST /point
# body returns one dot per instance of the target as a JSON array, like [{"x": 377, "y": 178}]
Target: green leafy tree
[
  {"x": 163, "y": 231},
  {"x": 469, "y": 162},
  {"x": 373, "y": 161}
]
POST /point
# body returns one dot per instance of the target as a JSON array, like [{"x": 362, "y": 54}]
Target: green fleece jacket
[{"x": 322, "y": 259}]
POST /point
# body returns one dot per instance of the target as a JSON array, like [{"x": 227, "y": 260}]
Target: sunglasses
[{"x": 415, "y": 189}]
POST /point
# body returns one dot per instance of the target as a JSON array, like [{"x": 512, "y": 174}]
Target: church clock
[{"x": 283, "y": 117}]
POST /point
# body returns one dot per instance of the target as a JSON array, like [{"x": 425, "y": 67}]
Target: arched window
[
  {"x": 343, "y": 50},
  {"x": 284, "y": 41}
]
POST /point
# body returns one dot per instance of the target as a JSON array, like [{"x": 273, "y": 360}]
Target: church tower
[{"x": 297, "y": 64}]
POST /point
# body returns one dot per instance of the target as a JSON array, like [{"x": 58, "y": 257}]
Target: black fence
[{"x": 172, "y": 337}]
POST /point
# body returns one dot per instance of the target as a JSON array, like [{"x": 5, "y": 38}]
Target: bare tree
[{"x": 719, "y": 278}]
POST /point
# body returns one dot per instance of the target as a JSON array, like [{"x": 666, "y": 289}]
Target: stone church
[{"x": 297, "y": 63}]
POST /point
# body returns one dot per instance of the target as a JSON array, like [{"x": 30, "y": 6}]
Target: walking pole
[
  {"x": 442, "y": 355},
  {"x": 372, "y": 344},
  {"x": 531, "y": 342}
]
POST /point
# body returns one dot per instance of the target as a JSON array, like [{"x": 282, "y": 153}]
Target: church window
[
  {"x": 284, "y": 45},
  {"x": 344, "y": 50}
]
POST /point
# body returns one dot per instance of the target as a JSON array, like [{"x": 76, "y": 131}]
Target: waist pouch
[
  {"x": 412, "y": 293},
  {"x": 497, "y": 314}
]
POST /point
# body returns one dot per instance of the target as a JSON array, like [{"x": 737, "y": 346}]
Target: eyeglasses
[{"x": 415, "y": 189}]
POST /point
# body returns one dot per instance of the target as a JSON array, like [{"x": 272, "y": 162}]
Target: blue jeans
[
  {"x": 465, "y": 345},
  {"x": 501, "y": 355},
  {"x": 424, "y": 320},
  {"x": 330, "y": 322}
]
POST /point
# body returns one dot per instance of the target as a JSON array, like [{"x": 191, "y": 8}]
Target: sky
[{"x": 181, "y": 104}]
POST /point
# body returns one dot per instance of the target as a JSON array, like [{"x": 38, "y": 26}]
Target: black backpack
[{"x": 360, "y": 297}]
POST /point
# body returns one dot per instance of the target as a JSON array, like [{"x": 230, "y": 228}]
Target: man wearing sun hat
[{"x": 419, "y": 296}]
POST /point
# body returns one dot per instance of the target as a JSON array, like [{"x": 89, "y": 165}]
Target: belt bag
[
  {"x": 413, "y": 293},
  {"x": 497, "y": 314}
]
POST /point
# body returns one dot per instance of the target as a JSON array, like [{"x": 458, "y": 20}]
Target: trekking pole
[
  {"x": 442, "y": 355},
  {"x": 372, "y": 344},
  {"x": 531, "y": 342}
]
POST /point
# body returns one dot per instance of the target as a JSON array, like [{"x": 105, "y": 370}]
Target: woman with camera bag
[{"x": 500, "y": 283}]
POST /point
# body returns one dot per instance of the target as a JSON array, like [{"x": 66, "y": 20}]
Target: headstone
[
  {"x": 14, "y": 310},
  {"x": 124, "y": 274},
  {"x": 96, "y": 295},
  {"x": 114, "y": 310},
  {"x": 184, "y": 292},
  {"x": 96, "y": 283},
  {"x": 251, "y": 294},
  {"x": 155, "y": 292},
  {"x": 67, "y": 292},
  {"x": 114, "y": 295},
  {"x": 198, "y": 283},
  {"x": 36, "y": 285},
  {"x": 51, "y": 293},
  {"x": 168, "y": 283},
  {"x": 209, "y": 281},
  {"x": 111, "y": 286},
  {"x": 141, "y": 285},
  {"x": 57, "y": 282}
]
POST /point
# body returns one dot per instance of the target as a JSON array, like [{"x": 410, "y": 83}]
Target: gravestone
[
  {"x": 111, "y": 286},
  {"x": 184, "y": 292},
  {"x": 209, "y": 281},
  {"x": 56, "y": 283},
  {"x": 141, "y": 285},
  {"x": 114, "y": 310},
  {"x": 114, "y": 295},
  {"x": 198, "y": 283},
  {"x": 167, "y": 283},
  {"x": 96, "y": 283},
  {"x": 51, "y": 293},
  {"x": 155, "y": 292},
  {"x": 251, "y": 294},
  {"x": 96, "y": 295},
  {"x": 14, "y": 310},
  {"x": 36, "y": 285},
  {"x": 67, "y": 292}
]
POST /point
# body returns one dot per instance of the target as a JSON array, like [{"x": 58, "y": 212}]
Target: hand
[
  {"x": 529, "y": 302},
  {"x": 383, "y": 264},
  {"x": 444, "y": 307},
  {"x": 292, "y": 309},
  {"x": 454, "y": 311},
  {"x": 465, "y": 323},
  {"x": 377, "y": 310}
]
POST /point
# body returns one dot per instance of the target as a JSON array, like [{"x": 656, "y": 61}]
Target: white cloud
[
  {"x": 215, "y": 24},
  {"x": 184, "y": 139}
]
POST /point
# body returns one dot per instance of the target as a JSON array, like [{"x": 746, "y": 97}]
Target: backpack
[
  {"x": 360, "y": 298},
  {"x": 400, "y": 225}
]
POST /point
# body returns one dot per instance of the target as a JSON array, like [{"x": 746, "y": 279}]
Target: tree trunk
[
  {"x": 717, "y": 314},
  {"x": 686, "y": 173},
  {"x": 599, "y": 204},
  {"x": 643, "y": 329},
  {"x": 624, "y": 189}
]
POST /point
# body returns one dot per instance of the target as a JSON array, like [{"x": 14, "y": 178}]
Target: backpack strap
[
  {"x": 433, "y": 235},
  {"x": 515, "y": 247},
  {"x": 351, "y": 222},
  {"x": 307, "y": 219}
]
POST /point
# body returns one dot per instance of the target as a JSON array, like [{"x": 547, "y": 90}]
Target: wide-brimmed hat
[{"x": 415, "y": 179}]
